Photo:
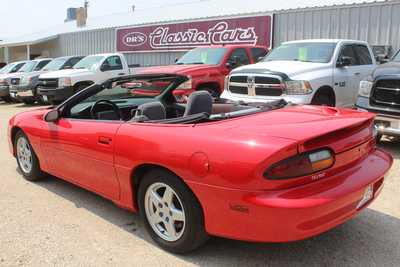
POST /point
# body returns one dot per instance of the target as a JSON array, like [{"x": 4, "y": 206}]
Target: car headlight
[
  {"x": 64, "y": 82},
  {"x": 298, "y": 88},
  {"x": 188, "y": 85},
  {"x": 366, "y": 87}
]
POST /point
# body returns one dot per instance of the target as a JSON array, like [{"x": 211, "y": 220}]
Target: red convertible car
[{"x": 257, "y": 172}]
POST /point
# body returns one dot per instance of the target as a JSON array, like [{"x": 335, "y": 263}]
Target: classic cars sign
[{"x": 184, "y": 36}]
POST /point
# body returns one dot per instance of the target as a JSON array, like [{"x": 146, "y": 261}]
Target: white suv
[{"x": 320, "y": 72}]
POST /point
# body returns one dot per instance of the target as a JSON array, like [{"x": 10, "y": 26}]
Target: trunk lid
[{"x": 310, "y": 126}]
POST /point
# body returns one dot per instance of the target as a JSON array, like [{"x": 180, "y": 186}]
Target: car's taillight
[{"x": 301, "y": 165}]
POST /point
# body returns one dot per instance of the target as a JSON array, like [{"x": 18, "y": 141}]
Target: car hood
[
  {"x": 296, "y": 123},
  {"x": 65, "y": 73},
  {"x": 173, "y": 69},
  {"x": 290, "y": 68},
  {"x": 391, "y": 68},
  {"x": 9, "y": 75},
  {"x": 27, "y": 74}
]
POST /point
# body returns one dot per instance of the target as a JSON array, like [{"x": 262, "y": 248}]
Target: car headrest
[
  {"x": 151, "y": 111},
  {"x": 199, "y": 102}
]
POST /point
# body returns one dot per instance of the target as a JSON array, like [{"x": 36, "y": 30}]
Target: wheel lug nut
[
  {"x": 161, "y": 214},
  {"x": 160, "y": 205},
  {"x": 170, "y": 213},
  {"x": 167, "y": 219}
]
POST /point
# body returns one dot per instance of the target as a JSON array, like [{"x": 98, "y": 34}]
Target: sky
[{"x": 19, "y": 17}]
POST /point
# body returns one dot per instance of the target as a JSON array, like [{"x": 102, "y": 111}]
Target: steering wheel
[{"x": 93, "y": 112}]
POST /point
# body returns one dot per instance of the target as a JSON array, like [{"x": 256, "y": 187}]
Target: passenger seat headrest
[
  {"x": 199, "y": 102},
  {"x": 152, "y": 111}
]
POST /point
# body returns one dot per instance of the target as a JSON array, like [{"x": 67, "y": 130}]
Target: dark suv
[{"x": 380, "y": 94}]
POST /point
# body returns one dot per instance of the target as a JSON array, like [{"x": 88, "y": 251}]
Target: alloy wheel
[
  {"x": 165, "y": 212},
  {"x": 24, "y": 154}
]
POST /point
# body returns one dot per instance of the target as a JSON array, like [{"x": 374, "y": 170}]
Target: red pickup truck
[{"x": 208, "y": 66}]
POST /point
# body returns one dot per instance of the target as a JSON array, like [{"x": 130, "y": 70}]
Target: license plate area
[{"x": 367, "y": 196}]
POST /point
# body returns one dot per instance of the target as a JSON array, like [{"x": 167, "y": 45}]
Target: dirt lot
[{"x": 55, "y": 223}]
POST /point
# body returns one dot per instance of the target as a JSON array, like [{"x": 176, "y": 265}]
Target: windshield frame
[{"x": 295, "y": 45}]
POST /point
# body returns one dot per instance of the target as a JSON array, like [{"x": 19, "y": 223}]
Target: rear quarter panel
[{"x": 205, "y": 155}]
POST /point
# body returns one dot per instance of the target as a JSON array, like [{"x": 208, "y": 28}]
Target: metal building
[{"x": 375, "y": 22}]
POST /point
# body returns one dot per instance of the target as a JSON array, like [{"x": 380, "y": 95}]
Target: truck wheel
[
  {"x": 7, "y": 99},
  {"x": 29, "y": 101},
  {"x": 323, "y": 99},
  {"x": 172, "y": 215},
  {"x": 27, "y": 160}
]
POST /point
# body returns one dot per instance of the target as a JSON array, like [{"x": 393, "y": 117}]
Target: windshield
[
  {"x": 304, "y": 52},
  {"x": 126, "y": 92},
  {"x": 209, "y": 56},
  {"x": 89, "y": 63},
  {"x": 7, "y": 68},
  {"x": 29, "y": 66},
  {"x": 55, "y": 64}
]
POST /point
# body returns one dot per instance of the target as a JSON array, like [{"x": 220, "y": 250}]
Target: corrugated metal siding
[{"x": 378, "y": 24}]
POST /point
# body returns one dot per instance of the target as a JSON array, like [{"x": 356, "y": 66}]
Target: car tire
[
  {"x": 40, "y": 100},
  {"x": 29, "y": 101},
  {"x": 181, "y": 234},
  {"x": 27, "y": 160},
  {"x": 7, "y": 99},
  {"x": 323, "y": 99}
]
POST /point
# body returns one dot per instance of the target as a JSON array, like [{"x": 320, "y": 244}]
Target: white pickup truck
[
  {"x": 57, "y": 86},
  {"x": 318, "y": 72}
]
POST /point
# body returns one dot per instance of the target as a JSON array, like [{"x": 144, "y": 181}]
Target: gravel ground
[{"x": 53, "y": 223}]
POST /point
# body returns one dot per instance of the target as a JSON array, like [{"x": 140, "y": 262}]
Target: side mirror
[
  {"x": 344, "y": 62},
  {"x": 52, "y": 116},
  {"x": 105, "y": 67},
  {"x": 176, "y": 59},
  {"x": 381, "y": 59}
]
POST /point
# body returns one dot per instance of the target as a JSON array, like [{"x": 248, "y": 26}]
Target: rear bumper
[
  {"x": 56, "y": 94},
  {"x": 387, "y": 119},
  {"x": 295, "y": 213}
]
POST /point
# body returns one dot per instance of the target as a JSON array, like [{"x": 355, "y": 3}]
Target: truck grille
[
  {"x": 48, "y": 83},
  {"x": 14, "y": 81},
  {"x": 386, "y": 93},
  {"x": 255, "y": 85}
]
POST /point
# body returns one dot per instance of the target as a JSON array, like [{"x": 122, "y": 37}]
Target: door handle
[
  {"x": 105, "y": 140},
  {"x": 121, "y": 74},
  {"x": 357, "y": 74}
]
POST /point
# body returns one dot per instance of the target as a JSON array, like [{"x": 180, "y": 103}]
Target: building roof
[{"x": 199, "y": 9}]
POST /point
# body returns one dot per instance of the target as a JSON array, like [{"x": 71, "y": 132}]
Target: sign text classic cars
[{"x": 185, "y": 36}]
